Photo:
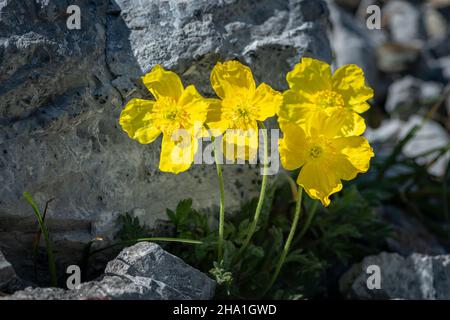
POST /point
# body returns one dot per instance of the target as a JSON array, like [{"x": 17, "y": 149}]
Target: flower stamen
[
  {"x": 242, "y": 115},
  {"x": 167, "y": 116},
  {"x": 329, "y": 99},
  {"x": 315, "y": 151}
]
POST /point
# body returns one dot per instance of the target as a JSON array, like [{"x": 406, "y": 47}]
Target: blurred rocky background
[{"x": 407, "y": 62}]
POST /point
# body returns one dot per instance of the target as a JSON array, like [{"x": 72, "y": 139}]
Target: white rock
[
  {"x": 7, "y": 273},
  {"x": 414, "y": 277},
  {"x": 404, "y": 21},
  {"x": 430, "y": 137},
  {"x": 408, "y": 95}
]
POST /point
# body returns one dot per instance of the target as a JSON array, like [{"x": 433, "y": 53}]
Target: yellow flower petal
[
  {"x": 241, "y": 144},
  {"x": 196, "y": 106},
  {"x": 295, "y": 107},
  {"x": 313, "y": 120},
  {"x": 310, "y": 75},
  {"x": 296, "y": 98},
  {"x": 343, "y": 168},
  {"x": 177, "y": 152},
  {"x": 331, "y": 122},
  {"x": 323, "y": 151},
  {"x": 344, "y": 122},
  {"x": 134, "y": 123},
  {"x": 231, "y": 78},
  {"x": 361, "y": 107},
  {"x": 214, "y": 118},
  {"x": 349, "y": 81},
  {"x": 292, "y": 147},
  {"x": 267, "y": 101},
  {"x": 319, "y": 182},
  {"x": 357, "y": 150},
  {"x": 162, "y": 83}
]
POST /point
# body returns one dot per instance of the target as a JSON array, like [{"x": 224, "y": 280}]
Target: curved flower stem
[
  {"x": 287, "y": 245},
  {"x": 222, "y": 202},
  {"x": 262, "y": 195},
  {"x": 309, "y": 219},
  {"x": 292, "y": 185}
]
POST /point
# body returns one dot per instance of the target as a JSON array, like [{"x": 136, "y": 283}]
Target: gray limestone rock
[
  {"x": 405, "y": 21},
  {"x": 354, "y": 43},
  {"x": 409, "y": 95},
  {"x": 61, "y": 93},
  {"x": 141, "y": 272},
  {"x": 7, "y": 273},
  {"x": 149, "y": 260},
  {"x": 415, "y": 277},
  {"x": 351, "y": 5}
]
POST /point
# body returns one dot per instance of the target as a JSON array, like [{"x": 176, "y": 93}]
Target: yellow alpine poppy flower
[
  {"x": 314, "y": 90},
  {"x": 178, "y": 113},
  {"x": 325, "y": 155},
  {"x": 241, "y": 105}
]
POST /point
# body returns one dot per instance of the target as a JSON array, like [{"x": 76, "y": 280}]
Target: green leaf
[
  {"x": 48, "y": 243},
  {"x": 131, "y": 228},
  {"x": 172, "y": 216}
]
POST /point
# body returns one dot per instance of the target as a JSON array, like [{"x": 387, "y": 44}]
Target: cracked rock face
[
  {"x": 61, "y": 93},
  {"x": 141, "y": 272}
]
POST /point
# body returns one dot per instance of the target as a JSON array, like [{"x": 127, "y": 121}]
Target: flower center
[
  {"x": 170, "y": 115},
  {"x": 242, "y": 114},
  {"x": 328, "y": 99},
  {"x": 167, "y": 116},
  {"x": 315, "y": 151}
]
